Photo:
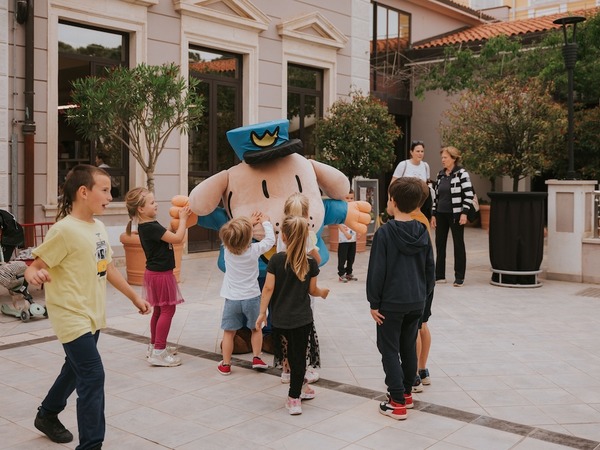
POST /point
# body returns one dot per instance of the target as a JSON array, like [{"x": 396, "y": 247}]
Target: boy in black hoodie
[{"x": 400, "y": 276}]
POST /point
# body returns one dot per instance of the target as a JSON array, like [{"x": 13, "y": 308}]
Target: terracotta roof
[
  {"x": 488, "y": 30},
  {"x": 218, "y": 65}
]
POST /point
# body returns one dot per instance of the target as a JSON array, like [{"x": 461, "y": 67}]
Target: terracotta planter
[
  {"x": 135, "y": 259},
  {"x": 361, "y": 242},
  {"x": 484, "y": 216}
]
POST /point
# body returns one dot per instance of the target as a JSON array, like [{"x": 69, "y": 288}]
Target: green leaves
[
  {"x": 507, "y": 129},
  {"x": 357, "y": 137},
  {"x": 138, "y": 108}
]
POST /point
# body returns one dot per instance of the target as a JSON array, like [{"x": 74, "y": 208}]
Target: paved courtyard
[{"x": 510, "y": 369}]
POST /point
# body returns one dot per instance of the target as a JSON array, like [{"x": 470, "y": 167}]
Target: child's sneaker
[
  {"x": 408, "y": 401},
  {"x": 424, "y": 374},
  {"x": 164, "y": 359},
  {"x": 307, "y": 393},
  {"x": 394, "y": 410},
  {"x": 285, "y": 377},
  {"x": 172, "y": 350},
  {"x": 343, "y": 279},
  {"x": 311, "y": 376},
  {"x": 417, "y": 385},
  {"x": 351, "y": 277},
  {"x": 294, "y": 406},
  {"x": 224, "y": 369},
  {"x": 258, "y": 363},
  {"x": 52, "y": 427}
]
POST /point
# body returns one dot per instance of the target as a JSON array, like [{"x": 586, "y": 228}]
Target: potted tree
[
  {"x": 137, "y": 108},
  {"x": 357, "y": 137},
  {"x": 513, "y": 129}
]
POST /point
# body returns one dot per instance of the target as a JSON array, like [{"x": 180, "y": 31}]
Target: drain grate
[{"x": 589, "y": 292}]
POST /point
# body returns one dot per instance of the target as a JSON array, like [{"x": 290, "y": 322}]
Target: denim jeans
[
  {"x": 397, "y": 343},
  {"x": 82, "y": 371}
]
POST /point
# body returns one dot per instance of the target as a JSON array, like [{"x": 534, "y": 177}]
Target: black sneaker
[
  {"x": 51, "y": 427},
  {"x": 417, "y": 385}
]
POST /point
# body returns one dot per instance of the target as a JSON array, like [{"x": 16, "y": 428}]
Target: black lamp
[{"x": 570, "y": 57}]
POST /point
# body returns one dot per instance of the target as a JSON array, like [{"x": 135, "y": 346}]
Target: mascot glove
[
  {"x": 358, "y": 216},
  {"x": 178, "y": 202}
]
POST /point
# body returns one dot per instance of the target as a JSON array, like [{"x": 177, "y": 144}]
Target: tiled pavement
[{"x": 510, "y": 368}]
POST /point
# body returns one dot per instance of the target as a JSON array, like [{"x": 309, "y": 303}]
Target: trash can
[{"x": 516, "y": 237}]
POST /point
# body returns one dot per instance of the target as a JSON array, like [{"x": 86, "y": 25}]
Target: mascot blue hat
[{"x": 263, "y": 141}]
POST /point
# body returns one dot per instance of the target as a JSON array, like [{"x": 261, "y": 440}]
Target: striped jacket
[{"x": 461, "y": 190}]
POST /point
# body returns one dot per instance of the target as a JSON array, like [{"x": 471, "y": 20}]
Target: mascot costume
[{"x": 271, "y": 169}]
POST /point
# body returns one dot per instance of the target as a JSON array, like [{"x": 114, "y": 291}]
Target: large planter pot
[
  {"x": 361, "y": 241},
  {"x": 516, "y": 237},
  {"x": 135, "y": 258},
  {"x": 484, "y": 216}
]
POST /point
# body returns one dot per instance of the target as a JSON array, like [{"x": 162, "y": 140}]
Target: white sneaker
[
  {"x": 164, "y": 359},
  {"x": 307, "y": 393},
  {"x": 294, "y": 406},
  {"x": 311, "y": 376},
  {"x": 285, "y": 377},
  {"x": 172, "y": 350}
]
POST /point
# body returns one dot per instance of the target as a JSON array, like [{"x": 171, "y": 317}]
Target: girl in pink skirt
[{"x": 160, "y": 286}]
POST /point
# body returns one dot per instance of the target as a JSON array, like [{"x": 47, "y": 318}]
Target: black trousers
[
  {"x": 346, "y": 256},
  {"x": 444, "y": 223},
  {"x": 297, "y": 342}
]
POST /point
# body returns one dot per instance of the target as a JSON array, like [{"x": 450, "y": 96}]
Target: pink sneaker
[{"x": 294, "y": 406}]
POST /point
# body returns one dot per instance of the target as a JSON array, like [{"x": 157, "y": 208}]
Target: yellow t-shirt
[{"x": 77, "y": 254}]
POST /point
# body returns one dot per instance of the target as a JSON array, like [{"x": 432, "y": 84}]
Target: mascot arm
[
  {"x": 205, "y": 197},
  {"x": 358, "y": 216},
  {"x": 353, "y": 214},
  {"x": 331, "y": 181},
  {"x": 178, "y": 202},
  {"x": 215, "y": 220}
]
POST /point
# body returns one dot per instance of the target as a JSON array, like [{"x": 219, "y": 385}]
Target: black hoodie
[{"x": 401, "y": 267}]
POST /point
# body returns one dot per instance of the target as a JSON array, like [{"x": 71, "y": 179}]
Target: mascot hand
[
  {"x": 358, "y": 216},
  {"x": 178, "y": 202}
]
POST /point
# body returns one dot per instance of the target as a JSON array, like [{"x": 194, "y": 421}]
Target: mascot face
[{"x": 266, "y": 186}]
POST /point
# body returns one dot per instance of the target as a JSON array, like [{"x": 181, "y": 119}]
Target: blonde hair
[
  {"x": 80, "y": 175},
  {"x": 453, "y": 152},
  {"x": 236, "y": 235},
  {"x": 296, "y": 205},
  {"x": 134, "y": 199},
  {"x": 295, "y": 229}
]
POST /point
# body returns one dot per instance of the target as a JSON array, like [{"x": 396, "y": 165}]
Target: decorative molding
[
  {"x": 147, "y": 3},
  {"x": 238, "y": 13},
  {"x": 315, "y": 28}
]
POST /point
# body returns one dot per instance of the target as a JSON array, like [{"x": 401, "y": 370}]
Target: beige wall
[
  {"x": 521, "y": 9},
  {"x": 336, "y": 40}
]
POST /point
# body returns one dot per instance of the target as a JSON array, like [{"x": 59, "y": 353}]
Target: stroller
[{"x": 12, "y": 274}]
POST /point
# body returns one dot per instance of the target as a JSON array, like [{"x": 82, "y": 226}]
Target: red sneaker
[
  {"x": 258, "y": 363},
  {"x": 224, "y": 369},
  {"x": 394, "y": 410},
  {"x": 408, "y": 401}
]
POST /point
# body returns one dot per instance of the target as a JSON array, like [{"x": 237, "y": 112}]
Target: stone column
[{"x": 569, "y": 214}]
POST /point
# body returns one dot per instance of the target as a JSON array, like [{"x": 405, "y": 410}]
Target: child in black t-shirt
[
  {"x": 291, "y": 277},
  {"x": 160, "y": 286}
]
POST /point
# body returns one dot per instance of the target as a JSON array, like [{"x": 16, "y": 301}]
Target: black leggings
[{"x": 297, "y": 341}]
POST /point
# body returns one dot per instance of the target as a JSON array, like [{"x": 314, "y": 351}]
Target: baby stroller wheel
[{"x": 25, "y": 316}]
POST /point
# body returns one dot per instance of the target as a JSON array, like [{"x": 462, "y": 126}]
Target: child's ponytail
[
  {"x": 134, "y": 199},
  {"x": 295, "y": 229}
]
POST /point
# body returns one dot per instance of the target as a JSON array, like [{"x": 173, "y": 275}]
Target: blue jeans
[
  {"x": 82, "y": 371},
  {"x": 397, "y": 343}
]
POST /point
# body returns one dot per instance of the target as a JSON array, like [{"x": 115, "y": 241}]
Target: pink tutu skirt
[{"x": 161, "y": 289}]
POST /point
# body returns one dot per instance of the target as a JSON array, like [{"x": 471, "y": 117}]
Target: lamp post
[{"x": 570, "y": 57}]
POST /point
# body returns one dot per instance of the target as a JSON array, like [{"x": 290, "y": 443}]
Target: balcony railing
[{"x": 596, "y": 214}]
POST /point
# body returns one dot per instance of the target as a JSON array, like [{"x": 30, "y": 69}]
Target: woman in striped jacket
[{"x": 453, "y": 199}]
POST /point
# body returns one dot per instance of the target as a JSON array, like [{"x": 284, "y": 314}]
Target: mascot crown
[{"x": 263, "y": 141}]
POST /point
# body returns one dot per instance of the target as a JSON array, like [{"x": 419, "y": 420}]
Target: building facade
[
  {"x": 525, "y": 9},
  {"x": 256, "y": 60}
]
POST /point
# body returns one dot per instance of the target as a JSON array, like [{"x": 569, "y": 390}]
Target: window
[
  {"x": 391, "y": 35},
  {"x": 304, "y": 104},
  {"x": 209, "y": 152},
  {"x": 85, "y": 51}
]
